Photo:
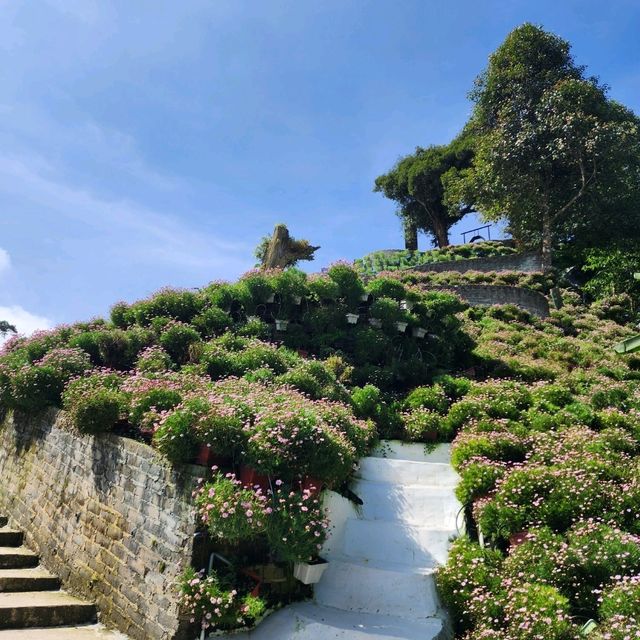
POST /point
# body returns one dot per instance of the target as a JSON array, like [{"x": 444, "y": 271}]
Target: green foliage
[
  {"x": 416, "y": 183},
  {"x": 39, "y": 385},
  {"x": 177, "y": 339},
  {"x": 95, "y": 403},
  {"x": 551, "y": 149},
  {"x": 424, "y": 425},
  {"x": 470, "y": 572},
  {"x": 433, "y": 398},
  {"x": 380, "y": 261},
  {"x": 175, "y": 436},
  {"x": 349, "y": 283}
]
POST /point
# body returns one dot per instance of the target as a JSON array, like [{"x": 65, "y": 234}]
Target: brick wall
[
  {"x": 107, "y": 514},
  {"x": 527, "y": 262}
]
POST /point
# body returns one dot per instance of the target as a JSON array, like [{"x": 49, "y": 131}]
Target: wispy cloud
[{"x": 144, "y": 235}]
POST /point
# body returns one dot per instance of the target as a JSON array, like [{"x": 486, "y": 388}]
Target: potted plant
[
  {"x": 352, "y": 318},
  {"x": 291, "y": 286},
  {"x": 418, "y": 332},
  {"x": 386, "y": 288},
  {"x": 349, "y": 283},
  {"x": 401, "y": 326},
  {"x": 387, "y": 311},
  {"x": 323, "y": 288},
  {"x": 281, "y": 324},
  {"x": 310, "y": 572}
]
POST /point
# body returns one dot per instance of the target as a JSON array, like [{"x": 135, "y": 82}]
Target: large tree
[
  {"x": 416, "y": 183},
  {"x": 553, "y": 153}
]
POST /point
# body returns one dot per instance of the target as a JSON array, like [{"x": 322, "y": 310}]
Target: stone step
[
  {"x": 414, "y": 504},
  {"x": 10, "y": 537},
  {"x": 308, "y": 621},
  {"x": 432, "y": 474},
  {"x": 396, "y": 542},
  {"x": 17, "y": 558},
  {"x": 36, "y": 579},
  {"x": 367, "y": 589},
  {"x": 415, "y": 451},
  {"x": 85, "y": 632},
  {"x": 43, "y": 609}
]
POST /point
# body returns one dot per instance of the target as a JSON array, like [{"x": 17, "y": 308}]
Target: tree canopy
[
  {"x": 417, "y": 184},
  {"x": 6, "y": 327},
  {"x": 554, "y": 155}
]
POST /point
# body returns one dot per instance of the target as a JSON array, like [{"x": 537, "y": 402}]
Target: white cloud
[
  {"x": 5, "y": 260},
  {"x": 24, "y": 321}
]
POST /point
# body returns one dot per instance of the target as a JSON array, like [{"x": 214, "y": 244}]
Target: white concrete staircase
[
  {"x": 382, "y": 557},
  {"x": 31, "y": 602}
]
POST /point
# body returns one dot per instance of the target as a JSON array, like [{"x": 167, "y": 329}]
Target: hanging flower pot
[
  {"x": 375, "y": 322},
  {"x": 207, "y": 458},
  {"x": 271, "y": 297},
  {"x": 311, "y": 484},
  {"x": 516, "y": 539},
  {"x": 297, "y": 299},
  {"x": 401, "y": 326},
  {"x": 352, "y": 318},
  {"x": 406, "y": 305},
  {"x": 364, "y": 297},
  {"x": 281, "y": 325},
  {"x": 251, "y": 478},
  {"x": 419, "y": 332},
  {"x": 310, "y": 572}
]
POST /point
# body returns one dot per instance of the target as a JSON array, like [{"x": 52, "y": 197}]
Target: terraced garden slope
[{"x": 282, "y": 383}]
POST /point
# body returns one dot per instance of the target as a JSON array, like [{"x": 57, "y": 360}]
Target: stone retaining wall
[
  {"x": 106, "y": 514},
  {"x": 486, "y": 295},
  {"x": 526, "y": 262}
]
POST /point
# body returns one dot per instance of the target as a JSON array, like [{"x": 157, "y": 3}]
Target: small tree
[
  {"x": 6, "y": 328},
  {"x": 417, "y": 184}
]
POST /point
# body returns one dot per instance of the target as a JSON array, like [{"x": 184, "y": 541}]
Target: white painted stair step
[
  {"x": 396, "y": 542},
  {"x": 415, "y": 504},
  {"x": 356, "y": 587},
  {"x": 410, "y": 472},
  {"x": 415, "y": 451},
  {"x": 309, "y": 621}
]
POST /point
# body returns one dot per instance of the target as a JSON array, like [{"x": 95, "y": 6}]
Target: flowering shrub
[
  {"x": 620, "y": 608},
  {"x": 297, "y": 526},
  {"x": 38, "y": 385},
  {"x": 176, "y": 340},
  {"x": 433, "y": 398},
  {"x": 154, "y": 360},
  {"x": 231, "y": 512},
  {"x": 216, "y": 605},
  {"x": 175, "y": 436},
  {"x": 95, "y": 402},
  {"x": 424, "y": 425}
]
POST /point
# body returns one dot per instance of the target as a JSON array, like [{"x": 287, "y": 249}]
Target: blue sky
[{"x": 153, "y": 143}]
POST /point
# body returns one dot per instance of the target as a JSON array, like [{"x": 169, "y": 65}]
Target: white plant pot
[
  {"x": 297, "y": 299},
  {"x": 401, "y": 326},
  {"x": 406, "y": 305},
  {"x": 364, "y": 297},
  {"x": 375, "y": 322},
  {"x": 309, "y": 573},
  {"x": 281, "y": 325},
  {"x": 419, "y": 332},
  {"x": 352, "y": 318},
  {"x": 271, "y": 298}
]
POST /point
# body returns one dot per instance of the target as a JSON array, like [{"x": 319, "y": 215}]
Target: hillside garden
[{"x": 543, "y": 415}]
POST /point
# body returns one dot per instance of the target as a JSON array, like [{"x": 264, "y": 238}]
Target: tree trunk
[
  {"x": 547, "y": 242},
  {"x": 441, "y": 233},
  {"x": 277, "y": 253},
  {"x": 410, "y": 235}
]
